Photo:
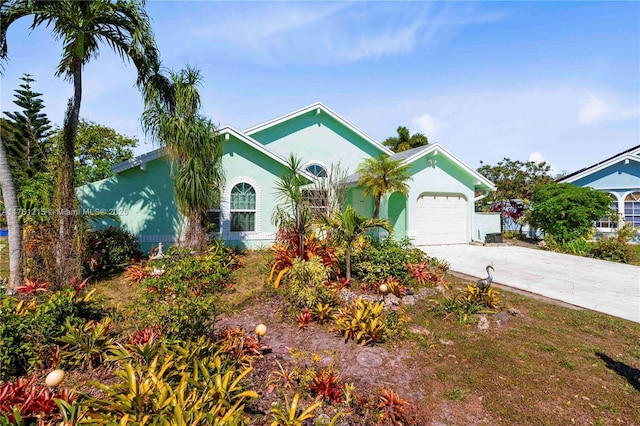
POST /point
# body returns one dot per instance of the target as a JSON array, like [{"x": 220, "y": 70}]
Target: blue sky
[{"x": 557, "y": 81}]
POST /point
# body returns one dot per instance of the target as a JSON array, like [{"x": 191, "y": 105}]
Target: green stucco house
[{"x": 438, "y": 210}]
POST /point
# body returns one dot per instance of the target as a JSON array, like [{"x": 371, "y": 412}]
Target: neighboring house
[
  {"x": 438, "y": 210},
  {"x": 618, "y": 176}
]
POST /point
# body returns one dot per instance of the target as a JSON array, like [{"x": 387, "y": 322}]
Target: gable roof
[
  {"x": 411, "y": 155},
  {"x": 223, "y": 131},
  {"x": 318, "y": 106},
  {"x": 631, "y": 154}
]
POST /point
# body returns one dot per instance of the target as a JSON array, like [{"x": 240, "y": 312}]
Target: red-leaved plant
[{"x": 30, "y": 399}]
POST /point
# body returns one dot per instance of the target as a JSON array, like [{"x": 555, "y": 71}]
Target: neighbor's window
[
  {"x": 609, "y": 222},
  {"x": 632, "y": 209},
  {"x": 243, "y": 207},
  {"x": 317, "y": 170}
]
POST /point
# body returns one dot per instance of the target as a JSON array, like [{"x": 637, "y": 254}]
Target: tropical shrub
[
  {"x": 109, "y": 247},
  {"x": 377, "y": 260},
  {"x": 617, "y": 248},
  {"x": 306, "y": 281},
  {"x": 183, "y": 274},
  {"x": 31, "y": 328},
  {"x": 362, "y": 322},
  {"x": 565, "y": 211},
  {"x": 286, "y": 250}
]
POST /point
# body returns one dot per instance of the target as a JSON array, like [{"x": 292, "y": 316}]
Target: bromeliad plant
[
  {"x": 292, "y": 415},
  {"x": 86, "y": 346},
  {"x": 286, "y": 250},
  {"x": 362, "y": 322},
  {"x": 28, "y": 400},
  {"x": 192, "y": 383}
]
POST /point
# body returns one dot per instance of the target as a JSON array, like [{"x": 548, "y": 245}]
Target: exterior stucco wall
[
  {"x": 243, "y": 163},
  {"x": 318, "y": 138},
  {"x": 436, "y": 174},
  {"x": 142, "y": 200}
]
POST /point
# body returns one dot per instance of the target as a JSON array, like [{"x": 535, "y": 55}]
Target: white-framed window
[
  {"x": 609, "y": 222},
  {"x": 632, "y": 209},
  {"x": 243, "y": 208},
  {"x": 317, "y": 170}
]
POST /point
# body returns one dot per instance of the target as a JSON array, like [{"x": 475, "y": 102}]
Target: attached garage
[{"x": 442, "y": 219}]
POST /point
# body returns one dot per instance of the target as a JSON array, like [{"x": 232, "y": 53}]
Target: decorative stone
[
  {"x": 367, "y": 358},
  {"x": 54, "y": 378},
  {"x": 483, "y": 323},
  {"x": 416, "y": 329},
  {"x": 501, "y": 318},
  {"x": 425, "y": 292},
  {"x": 391, "y": 300},
  {"x": 409, "y": 300}
]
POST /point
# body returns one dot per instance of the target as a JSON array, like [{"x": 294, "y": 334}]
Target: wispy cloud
[
  {"x": 277, "y": 34},
  {"x": 598, "y": 110}
]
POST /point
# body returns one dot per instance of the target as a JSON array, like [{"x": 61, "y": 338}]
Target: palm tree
[
  {"x": 381, "y": 176},
  {"x": 172, "y": 118},
  {"x": 82, "y": 26},
  {"x": 348, "y": 226},
  {"x": 404, "y": 141},
  {"x": 13, "y": 223},
  {"x": 295, "y": 211}
]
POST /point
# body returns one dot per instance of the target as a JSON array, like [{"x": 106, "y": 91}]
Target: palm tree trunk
[
  {"x": 13, "y": 223},
  {"x": 376, "y": 210},
  {"x": 67, "y": 258}
]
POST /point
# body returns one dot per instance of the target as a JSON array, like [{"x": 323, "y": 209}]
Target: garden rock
[
  {"x": 515, "y": 312},
  {"x": 347, "y": 295},
  {"x": 483, "y": 323},
  {"x": 501, "y": 318},
  {"x": 392, "y": 300},
  {"x": 368, "y": 358},
  {"x": 409, "y": 300},
  {"x": 425, "y": 292}
]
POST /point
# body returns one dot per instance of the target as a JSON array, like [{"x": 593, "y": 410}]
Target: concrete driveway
[{"x": 612, "y": 288}]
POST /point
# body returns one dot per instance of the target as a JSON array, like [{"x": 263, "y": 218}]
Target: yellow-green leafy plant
[
  {"x": 393, "y": 286},
  {"x": 86, "y": 346},
  {"x": 363, "y": 322},
  {"x": 323, "y": 312},
  {"x": 306, "y": 283},
  {"x": 292, "y": 415},
  {"x": 177, "y": 390}
]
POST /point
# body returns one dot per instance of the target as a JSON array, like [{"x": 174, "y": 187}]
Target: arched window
[
  {"x": 632, "y": 209},
  {"x": 243, "y": 208},
  {"x": 317, "y": 170},
  {"x": 609, "y": 222}
]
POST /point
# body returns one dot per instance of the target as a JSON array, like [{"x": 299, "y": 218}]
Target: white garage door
[{"x": 441, "y": 219}]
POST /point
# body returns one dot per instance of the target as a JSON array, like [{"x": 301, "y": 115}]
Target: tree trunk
[
  {"x": 195, "y": 234},
  {"x": 13, "y": 223},
  {"x": 67, "y": 256},
  {"x": 376, "y": 211},
  {"x": 348, "y": 261}
]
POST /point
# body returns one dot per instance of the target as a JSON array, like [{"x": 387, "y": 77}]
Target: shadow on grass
[{"x": 630, "y": 374}]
